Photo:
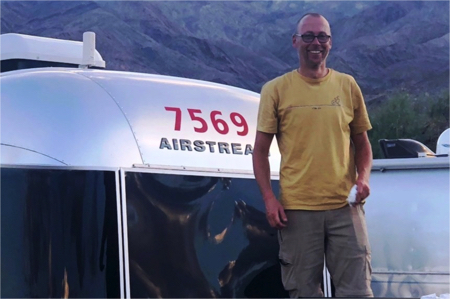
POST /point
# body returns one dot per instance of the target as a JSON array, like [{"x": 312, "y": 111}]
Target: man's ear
[{"x": 294, "y": 41}]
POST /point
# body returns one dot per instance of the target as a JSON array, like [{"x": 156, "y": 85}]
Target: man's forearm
[
  {"x": 364, "y": 164},
  {"x": 261, "y": 168},
  {"x": 363, "y": 158}
]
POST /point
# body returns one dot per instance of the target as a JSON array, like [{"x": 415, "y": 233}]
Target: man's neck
[{"x": 313, "y": 73}]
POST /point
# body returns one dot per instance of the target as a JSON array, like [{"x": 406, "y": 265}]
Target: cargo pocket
[
  {"x": 288, "y": 277},
  {"x": 284, "y": 261},
  {"x": 285, "y": 258}
]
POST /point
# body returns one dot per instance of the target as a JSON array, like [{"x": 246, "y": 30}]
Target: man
[{"x": 321, "y": 123}]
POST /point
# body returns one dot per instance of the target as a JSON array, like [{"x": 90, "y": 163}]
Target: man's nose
[{"x": 315, "y": 41}]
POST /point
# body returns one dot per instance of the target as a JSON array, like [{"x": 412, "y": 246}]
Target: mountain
[
  {"x": 386, "y": 46},
  {"x": 404, "y": 45}
]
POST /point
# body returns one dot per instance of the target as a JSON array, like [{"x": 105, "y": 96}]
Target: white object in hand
[{"x": 352, "y": 196}]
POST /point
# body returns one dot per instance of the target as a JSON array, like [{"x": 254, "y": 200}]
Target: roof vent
[{"x": 88, "y": 58}]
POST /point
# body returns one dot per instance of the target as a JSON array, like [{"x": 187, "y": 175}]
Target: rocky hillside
[{"x": 386, "y": 46}]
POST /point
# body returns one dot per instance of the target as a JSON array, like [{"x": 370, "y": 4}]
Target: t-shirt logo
[{"x": 336, "y": 101}]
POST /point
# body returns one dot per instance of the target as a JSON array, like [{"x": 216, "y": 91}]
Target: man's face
[{"x": 315, "y": 53}]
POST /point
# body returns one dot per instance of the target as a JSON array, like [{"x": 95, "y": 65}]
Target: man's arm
[
  {"x": 261, "y": 167},
  {"x": 363, "y": 161}
]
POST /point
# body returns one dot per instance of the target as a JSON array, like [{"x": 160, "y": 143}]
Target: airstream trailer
[{"x": 121, "y": 184}]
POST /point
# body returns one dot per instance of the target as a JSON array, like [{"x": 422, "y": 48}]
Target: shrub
[{"x": 421, "y": 118}]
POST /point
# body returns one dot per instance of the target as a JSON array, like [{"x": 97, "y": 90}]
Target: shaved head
[{"x": 307, "y": 16}]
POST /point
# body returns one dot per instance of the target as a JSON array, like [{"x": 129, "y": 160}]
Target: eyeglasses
[{"x": 309, "y": 38}]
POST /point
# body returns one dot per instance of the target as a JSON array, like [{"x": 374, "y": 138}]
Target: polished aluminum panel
[
  {"x": 199, "y": 237},
  {"x": 59, "y": 234},
  {"x": 145, "y": 99},
  {"x": 106, "y": 118},
  {"x": 63, "y": 115},
  {"x": 408, "y": 221},
  {"x": 22, "y": 156}
]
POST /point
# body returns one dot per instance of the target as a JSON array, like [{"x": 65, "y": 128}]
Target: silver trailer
[{"x": 120, "y": 184}]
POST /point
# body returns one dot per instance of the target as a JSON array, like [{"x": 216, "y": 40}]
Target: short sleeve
[
  {"x": 268, "y": 109},
  {"x": 360, "y": 122}
]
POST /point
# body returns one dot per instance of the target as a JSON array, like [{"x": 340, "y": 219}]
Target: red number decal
[
  {"x": 216, "y": 123},
  {"x": 177, "y": 116},
  {"x": 239, "y": 121},
  {"x": 204, "y": 126},
  {"x": 219, "y": 124}
]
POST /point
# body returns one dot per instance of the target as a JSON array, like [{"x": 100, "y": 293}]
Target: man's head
[{"x": 312, "y": 39}]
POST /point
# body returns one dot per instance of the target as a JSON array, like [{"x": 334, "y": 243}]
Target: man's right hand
[{"x": 275, "y": 213}]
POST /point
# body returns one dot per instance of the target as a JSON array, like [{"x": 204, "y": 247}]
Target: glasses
[{"x": 309, "y": 38}]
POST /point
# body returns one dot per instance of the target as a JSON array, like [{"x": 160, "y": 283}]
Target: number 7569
[{"x": 220, "y": 125}]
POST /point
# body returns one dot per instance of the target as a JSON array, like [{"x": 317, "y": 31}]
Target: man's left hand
[{"x": 363, "y": 190}]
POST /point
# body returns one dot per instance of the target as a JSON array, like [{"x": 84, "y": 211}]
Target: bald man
[{"x": 320, "y": 121}]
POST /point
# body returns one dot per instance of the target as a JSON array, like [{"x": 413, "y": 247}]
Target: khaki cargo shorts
[{"x": 341, "y": 235}]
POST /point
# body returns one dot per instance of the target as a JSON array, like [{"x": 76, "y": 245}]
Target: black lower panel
[
  {"x": 58, "y": 234},
  {"x": 193, "y": 236}
]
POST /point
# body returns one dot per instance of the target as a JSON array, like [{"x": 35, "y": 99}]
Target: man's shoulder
[
  {"x": 278, "y": 81},
  {"x": 343, "y": 76}
]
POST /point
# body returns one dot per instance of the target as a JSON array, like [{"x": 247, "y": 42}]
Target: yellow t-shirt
[{"x": 313, "y": 120}]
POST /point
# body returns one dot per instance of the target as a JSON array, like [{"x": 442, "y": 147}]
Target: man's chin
[{"x": 314, "y": 64}]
